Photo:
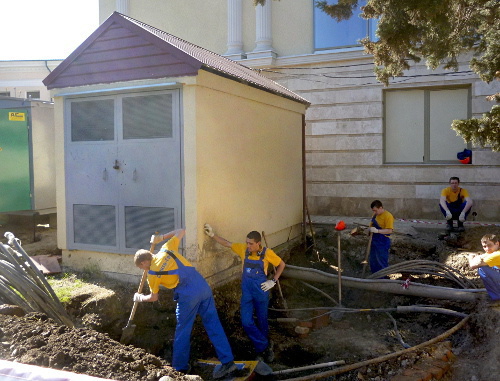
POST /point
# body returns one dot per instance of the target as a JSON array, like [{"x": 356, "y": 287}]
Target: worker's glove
[
  {"x": 208, "y": 230},
  {"x": 267, "y": 285},
  {"x": 139, "y": 297},
  {"x": 448, "y": 215},
  {"x": 156, "y": 238},
  {"x": 461, "y": 218},
  {"x": 373, "y": 229}
]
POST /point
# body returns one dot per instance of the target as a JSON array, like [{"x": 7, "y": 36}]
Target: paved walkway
[{"x": 409, "y": 226}]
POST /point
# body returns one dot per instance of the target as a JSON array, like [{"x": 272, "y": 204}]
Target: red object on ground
[
  {"x": 465, "y": 161},
  {"x": 340, "y": 225}
]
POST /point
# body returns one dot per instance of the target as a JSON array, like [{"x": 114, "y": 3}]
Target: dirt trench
[{"x": 101, "y": 311}]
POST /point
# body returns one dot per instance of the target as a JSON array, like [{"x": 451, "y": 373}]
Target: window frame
[
  {"x": 371, "y": 27},
  {"x": 427, "y": 122}
]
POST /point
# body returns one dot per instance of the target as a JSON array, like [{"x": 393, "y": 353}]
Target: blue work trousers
[
  {"x": 491, "y": 279},
  {"x": 253, "y": 299},
  {"x": 194, "y": 296}
]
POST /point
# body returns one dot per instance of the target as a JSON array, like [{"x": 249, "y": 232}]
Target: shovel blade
[{"x": 127, "y": 334}]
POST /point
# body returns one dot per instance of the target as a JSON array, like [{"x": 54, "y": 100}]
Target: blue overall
[
  {"x": 455, "y": 208},
  {"x": 194, "y": 296},
  {"x": 379, "y": 251},
  {"x": 491, "y": 279},
  {"x": 253, "y": 299}
]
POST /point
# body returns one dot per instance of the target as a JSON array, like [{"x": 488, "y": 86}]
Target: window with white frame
[
  {"x": 418, "y": 124},
  {"x": 33, "y": 94},
  {"x": 331, "y": 34}
]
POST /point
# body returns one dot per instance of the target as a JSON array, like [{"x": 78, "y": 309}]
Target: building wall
[
  {"x": 345, "y": 123},
  {"x": 20, "y": 77},
  {"x": 248, "y": 166}
]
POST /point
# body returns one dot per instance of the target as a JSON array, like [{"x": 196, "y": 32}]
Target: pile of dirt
[{"x": 34, "y": 339}]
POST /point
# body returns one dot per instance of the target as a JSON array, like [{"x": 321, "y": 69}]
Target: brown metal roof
[{"x": 113, "y": 53}]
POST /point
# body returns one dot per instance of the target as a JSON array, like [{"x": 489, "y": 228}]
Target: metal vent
[
  {"x": 94, "y": 224},
  {"x": 142, "y": 222},
  {"x": 92, "y": 120},
  {"x": 147, "y": 117}
]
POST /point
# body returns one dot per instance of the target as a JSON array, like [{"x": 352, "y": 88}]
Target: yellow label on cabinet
[{"x": 17, "y": 116}]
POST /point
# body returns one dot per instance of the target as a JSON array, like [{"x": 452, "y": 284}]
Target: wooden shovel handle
[{"x": 141, "y": 284}]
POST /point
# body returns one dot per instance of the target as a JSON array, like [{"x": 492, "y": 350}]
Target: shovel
[{"x": 128, "y": 331}]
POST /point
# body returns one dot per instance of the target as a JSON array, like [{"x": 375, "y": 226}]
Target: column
[
  {"x": 122, "y": 6},
  {"x": 235, "y": 30},
  {"x": 263, "y": 29}
]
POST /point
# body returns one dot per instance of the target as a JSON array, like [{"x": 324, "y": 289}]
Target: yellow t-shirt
[
  {"x": 270, "y": 257},
  {"x": 385, "y": 220},
  {"x": 492, "y": 259},
  {"x": 453, "y": 196},
  {"x": 162, "y": 261}
]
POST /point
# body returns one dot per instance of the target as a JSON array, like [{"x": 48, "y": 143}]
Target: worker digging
[{"x": 193, "y": 296}]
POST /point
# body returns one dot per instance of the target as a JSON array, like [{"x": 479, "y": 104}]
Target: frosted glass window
[
  {"x": 404, "y": 132},
  {"x": 445, "y": 106},
  {"x": 92, "y": 120},
  {"x": 147, "y": 117},
  {"x": 418, "y": 125}
]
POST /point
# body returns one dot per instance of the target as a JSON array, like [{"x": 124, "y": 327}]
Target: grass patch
[{"x": 65, "y": 286}]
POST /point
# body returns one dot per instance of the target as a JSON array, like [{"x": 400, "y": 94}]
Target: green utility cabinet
[{"x": 27, "y": 163}]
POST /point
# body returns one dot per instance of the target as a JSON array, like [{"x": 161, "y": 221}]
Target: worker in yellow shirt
[
  {"x": 193, "y": 295},
  {"x": 488, "y": 265},
  {"x": 255, "y": 287},
  {"x": 381, "y": 227},
  {"x": 455, "y": 204}
]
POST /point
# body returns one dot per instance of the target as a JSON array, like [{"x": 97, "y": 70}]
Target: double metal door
[{"x": 123, "y": 169}]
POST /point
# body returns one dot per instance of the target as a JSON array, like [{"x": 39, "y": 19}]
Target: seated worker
[
  {"x": 488, "y": 265},
  {"x": 193, "y": 296},
  {"x": 455, "y": 204},
  {"x": 254, "y": 287},
  {"x": 381, "y": 227}
]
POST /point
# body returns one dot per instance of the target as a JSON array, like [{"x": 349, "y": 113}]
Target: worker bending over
[
  {"x": 381, "y": 228},
  {"x": 455, "y": 204},
  {"x": 193, "y": 296},
  {"x": 488, "y": 265},
  {"x": 254, "y": 287}
]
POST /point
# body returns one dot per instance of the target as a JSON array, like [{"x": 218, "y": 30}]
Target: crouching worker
[
  {"x": 488, "y": 265},
  {"x": 455, "y": 204},
  {"x": 193, "y": 296},
  {"x": 254, "y": 288}
]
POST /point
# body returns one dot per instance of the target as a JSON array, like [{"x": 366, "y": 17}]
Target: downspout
[{"x": 304, "y": 221}]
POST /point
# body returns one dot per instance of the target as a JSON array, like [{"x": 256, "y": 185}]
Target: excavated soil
[{"x": 100, "y": 311}]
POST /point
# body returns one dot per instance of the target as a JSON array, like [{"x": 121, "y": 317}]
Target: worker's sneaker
[{"x": 224, "y": 369}]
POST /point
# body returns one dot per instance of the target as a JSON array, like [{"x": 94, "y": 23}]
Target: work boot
[
  {"x": 224, "y": 370},
  {"x": 449, "y": 226},
  {"x": 266, "y": 356}
]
